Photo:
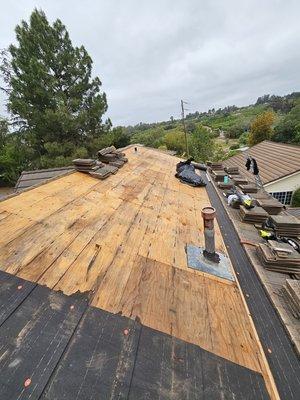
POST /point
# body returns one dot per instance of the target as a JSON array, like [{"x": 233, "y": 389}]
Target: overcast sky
[{"x": 150, "y": 54}]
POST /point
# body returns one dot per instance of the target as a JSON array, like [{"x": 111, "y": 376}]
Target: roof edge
[
  {"x": 282, "y": 177},
  {"x": 17, "y": 193}
]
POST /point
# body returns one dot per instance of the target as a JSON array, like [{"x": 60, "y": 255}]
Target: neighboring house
[
  {"x": 279, "y": 167},
  {"x": 33, "y": 178}
]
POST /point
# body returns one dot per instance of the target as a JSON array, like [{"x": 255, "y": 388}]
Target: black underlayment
[{"x": 55, "y": 347}]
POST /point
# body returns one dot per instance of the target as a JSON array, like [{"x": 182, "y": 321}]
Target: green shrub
[{"x": 296, "y": 198}]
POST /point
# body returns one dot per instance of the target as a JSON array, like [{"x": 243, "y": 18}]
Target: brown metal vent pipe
[{"x": 208, "y": 215}]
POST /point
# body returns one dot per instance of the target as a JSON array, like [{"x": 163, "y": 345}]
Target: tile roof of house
[
  {"x": 294, "y": 211},
  {"x": 35, "y": 177},
  {"x": 275, "y": 160}
]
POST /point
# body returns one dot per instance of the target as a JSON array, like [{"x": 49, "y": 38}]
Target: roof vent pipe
[{"x": 208, "y": 215}]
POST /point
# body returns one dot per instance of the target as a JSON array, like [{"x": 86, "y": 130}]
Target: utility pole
[{"x": 184, "y": 128}]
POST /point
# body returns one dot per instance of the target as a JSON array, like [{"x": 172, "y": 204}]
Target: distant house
[{"x": 279, "y": 167}]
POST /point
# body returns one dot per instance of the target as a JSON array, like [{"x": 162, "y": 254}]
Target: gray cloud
[{"x": 150, "y": 54}]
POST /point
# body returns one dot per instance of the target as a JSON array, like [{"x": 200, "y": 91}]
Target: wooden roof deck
[{"x": 123, "y": 239}]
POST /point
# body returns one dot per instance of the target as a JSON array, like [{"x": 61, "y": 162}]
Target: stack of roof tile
[
  {"x": 94, "y": 168},
  {"x": 291, "y": 294},
  {"x": 112, "y": 156},
  {"x": 104, "y": 172},
  {"x": 248, "y": 188},
  {"x": 223, "y": 185},
  {"x": 254, "y": 215},
  {"x": 232, "y": 170},
  {"x": 286, "y": 225},
  {"x": 218, "y": 175},
  {"x": 85, "y": 164},
  {"x": 271, "y": 205},
  {"x": 274, "y": 260},
  {"x": 216, "y": 166},
  {"x": 238, "y": 179}
]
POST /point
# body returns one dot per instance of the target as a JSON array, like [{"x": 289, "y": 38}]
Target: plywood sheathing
[{"x": 124, "y": 240}]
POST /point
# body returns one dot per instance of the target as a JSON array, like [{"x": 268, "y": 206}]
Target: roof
[
  {"x": 294, "y": 211},
  {"x": 35, "y": 177},
  {"x": 122, "y": 243},
  {"x": 275, "y": 160},
  {"x": 90, "y": 353}
]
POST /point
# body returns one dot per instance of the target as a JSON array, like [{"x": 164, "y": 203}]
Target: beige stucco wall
[{"x": 288, "y": 184}]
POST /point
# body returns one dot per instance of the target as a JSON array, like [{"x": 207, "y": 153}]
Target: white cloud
[{"x": 149, "y": 55}]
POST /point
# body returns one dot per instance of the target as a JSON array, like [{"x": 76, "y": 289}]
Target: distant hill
[{"x": 229, "y": 126}]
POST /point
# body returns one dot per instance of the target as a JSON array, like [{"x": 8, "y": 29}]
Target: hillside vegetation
[{"x": 271, "y": 117}]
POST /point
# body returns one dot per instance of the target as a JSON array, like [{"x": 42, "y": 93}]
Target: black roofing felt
[
  {"x": 55, "y": 347},
  {"x": 283, "y": 361}
]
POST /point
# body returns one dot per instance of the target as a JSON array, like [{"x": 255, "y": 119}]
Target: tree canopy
[
  {"x": 56, "y": 106},
  {"x": 261, "y": 128},
  {"x": 53, "y": 96}
]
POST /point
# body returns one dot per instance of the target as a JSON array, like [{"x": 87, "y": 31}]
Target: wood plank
[
  {"x": 83, "y": 228},
  {"x": 13, "y": 226},
  {"x": 93, "y": 262},
  {"x": 3, "y": 214},
  {"x": 23, "y": 249},
  {"x": 78, "y": 249}
]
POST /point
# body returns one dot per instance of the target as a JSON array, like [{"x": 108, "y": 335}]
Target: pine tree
[{"x": 52, "y": 95}]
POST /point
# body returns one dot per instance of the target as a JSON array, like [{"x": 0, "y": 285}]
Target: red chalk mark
[
  {"x": 20, "y": 287},
  {"x": 126, "y": 331},
  {"x": 27, "y": 382}
]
